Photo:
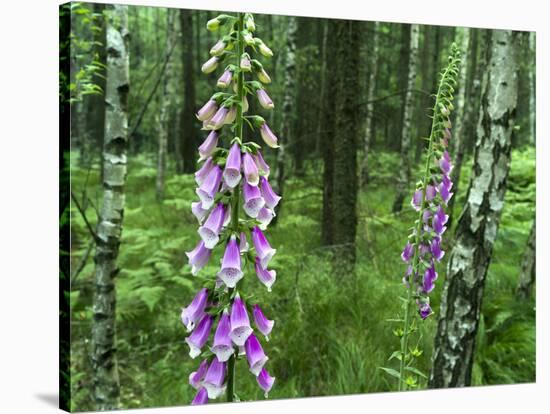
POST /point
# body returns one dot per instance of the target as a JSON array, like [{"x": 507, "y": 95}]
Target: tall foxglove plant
[
  {"x": 236, "y": 203},
  {"x": 423, "y": 251}
]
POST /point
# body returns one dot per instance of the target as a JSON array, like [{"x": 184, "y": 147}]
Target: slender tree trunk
[
  {"x": 327, "y": 134},
  {"x": 371, "y": 87},
  {"x": 428, "y": 68},
  {"x": 323, "y": 87},
  {"x": 187, "y": 140},
  {"x": 164, "y": 103},
  {"x": 478, "y": 224},
  {"x": 300, "y": 123},
  {"x": 397, "y": 117},
  {"x": 346, "y": 142},
  {"x": 527, "y": 276},
  {"x": 288, "y": 105},
  {"x": 532, "y": 88},
  {"x": 459, "y": 121},
  {"x": 106, "y": 388},
  {"x": 405, "y": 170}
]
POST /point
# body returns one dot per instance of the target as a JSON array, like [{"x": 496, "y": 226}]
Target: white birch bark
[
  {"x": 103, "y": 355},
  {"x": 478, "y": 224}
]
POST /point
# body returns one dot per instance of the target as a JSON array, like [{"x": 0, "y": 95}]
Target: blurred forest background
[{"x": 331, "y": 331}]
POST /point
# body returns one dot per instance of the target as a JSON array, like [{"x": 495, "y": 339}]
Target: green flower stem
[
  {"x": 236, "y": 192},
  {"x": 415, "y": 262}
]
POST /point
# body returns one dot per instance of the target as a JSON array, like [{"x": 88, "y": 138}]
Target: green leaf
[
  {"x": 417, "y": 372},
  {"x": 390, "y": 371},
  {"x": 395, "y": 354}
]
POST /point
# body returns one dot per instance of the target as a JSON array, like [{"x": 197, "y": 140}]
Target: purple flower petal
[
  {"x": 424, "y": 310},
  {"x": 265, "y": 215},
  {"x": 232, "y": 172},
  {"x": 208, "y": 146},
  {"x": 225, "y": 80},
  {"x": 240, "y": 324},
  {"x": 198, "y": 211},
  {"x": 263, "y": 324},
  {"x": 267, "y": 277},
  {"x": 268, "y": 136},
  {"x": 255, "y": 354},
  {"x": 198, "y": 257},
  {"x": 430, "y": 276},
  {"x": 203, "y": 172},
  {"x": 208, "y": 189},
  {"x": 223, "y": 347},
  {"x": 210, "y": 231},
  {"x": 207, "y": 111},
  {"x": 264, "y": 99},
  {"x": 435, "y": 247},
  {"x": 199, "y": 336},
  {"x": 263, "y": 167},
  {"x": 231, "y": 271},
  {"x": 270, "y": 197},
  {"x": 417, "y": 200},
  {"x": 214, "y": 379},
  {"x": 217, "y": 121},
  {"x": 201, "y": 397},
  {"x": 265, "y": 381},
  {"x": 250, "y": 169},
  {"x": 407, "y": 253},
  {"x": 196, "y": 377},
  {"x": 195, "y": 311},
  {"x": 243, "y": 243},
  {"x": 263, "y": 249},
  {"x": 253, "y": 200}
]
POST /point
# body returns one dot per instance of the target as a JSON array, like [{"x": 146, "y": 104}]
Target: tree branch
[
  {"x": 154, "y": 90},
  {"x": 83, "y": 214}
]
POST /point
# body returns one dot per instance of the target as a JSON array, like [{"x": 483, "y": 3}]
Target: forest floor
[{"x": 331, "y": 334}]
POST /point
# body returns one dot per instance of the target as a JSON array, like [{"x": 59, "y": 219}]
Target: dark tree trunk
[
  {"x": 327, "y": 132},
  {"x": 188, "y": 130},
  {"x": 106, "y": 388},
  {"x": 288, "y": 106},
  {"x": 406, "y": 125},
  {"x": 346, "y": 142},
  {"x": 164, "y": 104},
  {"x": 528, "y": 266},
  {"x": 478, "y": 224}
]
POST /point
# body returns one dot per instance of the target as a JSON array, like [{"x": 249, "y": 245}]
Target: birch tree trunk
[
  {"x": 532, "y": 88},
  {"x": 164, "y": 110},
  {"x": 478, "y": 224},
  {"x": 405, "y": 171},
  {"x": 344, "y": 203},
  {"x": 371, "y": 87},
  {"x": 187, "y": 141},
  {"x": 288, "y": 104},
  {"x": 528, "y": 266},
  {"x": 104, "y": 361},
  {"x": 459, "y": 121}
]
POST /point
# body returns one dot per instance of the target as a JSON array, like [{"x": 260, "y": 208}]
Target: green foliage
[
  {"x": 331, "y": 334},
  {"x": 83, "y": 49}
]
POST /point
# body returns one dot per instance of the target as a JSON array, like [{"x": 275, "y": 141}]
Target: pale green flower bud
[
  {"x": 250, "y": 26},
  {"x": 213, "y": 24},
  {"x": 263, "y": 76}
]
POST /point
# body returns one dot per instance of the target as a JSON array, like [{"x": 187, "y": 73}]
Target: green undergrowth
[{"x": 331, "y": 333}]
